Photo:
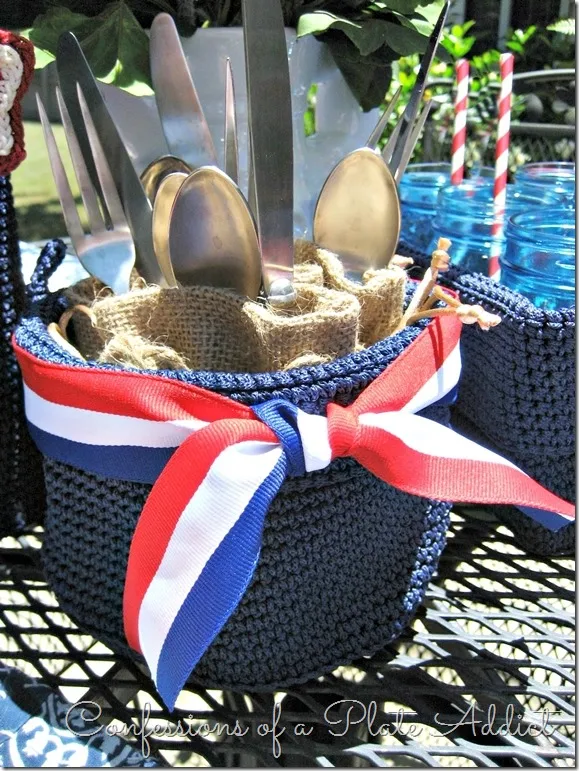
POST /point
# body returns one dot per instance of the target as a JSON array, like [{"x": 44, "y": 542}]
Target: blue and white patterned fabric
[{"x": 39, "y": 728}]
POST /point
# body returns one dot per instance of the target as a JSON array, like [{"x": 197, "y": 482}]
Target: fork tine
[
  {"x": 388, "y": 149},
  {"x": 109, "y": 190},
  {"x": 87, "y": 190},
  {"x": 68, "y": 206},
  {"x": 412, "y": 140},
  {"x": 376, "y": 134}
]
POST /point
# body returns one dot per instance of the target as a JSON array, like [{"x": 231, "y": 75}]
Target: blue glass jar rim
[
  {"x": 532, "y": 227},
  {"x": 426, "y": 175},
  {"x": 428, "y": 166},
  {"x": 544, "y": 172},
  {"x": 484, "y": 205}
]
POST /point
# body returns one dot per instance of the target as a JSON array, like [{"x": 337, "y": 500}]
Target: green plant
[
  {"x": 365, "y": 36},
  {"x": 456, "y": 41},
  {"x": 484, "y": 87},
  {"x": 553, "y": 47},
  {"x": 519, "y": 39}
]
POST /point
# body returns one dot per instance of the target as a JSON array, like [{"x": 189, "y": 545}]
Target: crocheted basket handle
[
  {"x": 49, "y": 260},
  {"x": 20, "y": 465}
]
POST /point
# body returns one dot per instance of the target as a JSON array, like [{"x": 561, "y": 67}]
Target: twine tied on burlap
[{"x": 213, "y": 329}]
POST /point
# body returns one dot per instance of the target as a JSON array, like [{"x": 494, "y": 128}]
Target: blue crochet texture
[
  {"x": 21, "y": 480},
  {"x": 345, "y": 559},
  {"x": 517, "y": 394}
]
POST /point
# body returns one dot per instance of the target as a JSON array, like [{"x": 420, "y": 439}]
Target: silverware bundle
[{"x": 185, "y": 221}]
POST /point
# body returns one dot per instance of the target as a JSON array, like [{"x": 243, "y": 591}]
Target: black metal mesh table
[{"x": 484, "y": 677}]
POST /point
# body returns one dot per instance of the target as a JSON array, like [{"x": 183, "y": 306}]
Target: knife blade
[
  {"x": 230, "y": 164},
  {"x": 73, "y": 68},
  {"x": 271, "y": 142},
  {"x": 409, "y": 116},
  {"x": 182, "y": 118}
]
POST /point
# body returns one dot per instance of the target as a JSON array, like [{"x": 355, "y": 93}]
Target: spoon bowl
[
  {"x": 156, "y": 172},
  {"x": 212, "y": 235},
  {"x": 162, "y": 208},
  {"x": 357, "y": 214}
]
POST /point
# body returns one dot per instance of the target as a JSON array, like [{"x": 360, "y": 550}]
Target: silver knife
[
  {"x": 73, "y": 68},
  {"x": 411, "y": 111},
  {"x": 182, "y": 118},
  {"x": 230, "y": 165},
  {"x": 271, "y": 142}
]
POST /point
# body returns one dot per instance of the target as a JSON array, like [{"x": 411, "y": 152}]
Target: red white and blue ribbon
[{"x": 216, "y": 465}]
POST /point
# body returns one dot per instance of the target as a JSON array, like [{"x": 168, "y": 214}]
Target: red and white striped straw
[
  {"x": 459, "y": 134},
  {"x": 502, "y": 156}
]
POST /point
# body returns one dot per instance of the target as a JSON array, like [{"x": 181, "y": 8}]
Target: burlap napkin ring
[
  {"x": 213, "y": 329},
  {"x": 380, "y": 294}
]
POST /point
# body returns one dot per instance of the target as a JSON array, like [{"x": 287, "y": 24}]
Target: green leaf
[
  {"x": 318, "y": 22},
  {"x": 48, "y": 27},
  {"x": 118, "y": 49},
  {"x": 406, "y": 7},
  {"x": 430, "y": 11},
  {"x": 563, "y": 26},
  {"x": 375, "y": 33},
  {"x": 530, "y": 32},
  {"x": 367, "y": 35},
  {"x": 368, "y": 78},
  {"x": 114, "y": 43},
  {"x": 41, "y": 57}
]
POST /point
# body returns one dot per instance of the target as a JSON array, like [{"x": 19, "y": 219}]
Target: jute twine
[
  {"x": 380, "y": 293},
  {"x": 215, "y": 329}
]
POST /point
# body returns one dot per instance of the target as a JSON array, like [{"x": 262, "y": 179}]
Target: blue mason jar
[
  {"x": 465, "y": 214},
  {"x": 539, "y": 259},
  {"x": 553, "y": 177},
  {"x": 418, "y": 191}
]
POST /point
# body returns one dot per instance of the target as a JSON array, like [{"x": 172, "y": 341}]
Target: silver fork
[
  {"x": 106, "y": 253},
  {"x": 409, "y": 143}
]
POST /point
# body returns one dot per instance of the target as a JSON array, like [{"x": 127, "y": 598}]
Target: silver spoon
[
  {"x": 157, "y": 170},
  {"x": 212, "y": 235},
  {"x": 354, "y": 229},
  {"x": 357, "y": 214},
  {"x": 162, "y": 208}
]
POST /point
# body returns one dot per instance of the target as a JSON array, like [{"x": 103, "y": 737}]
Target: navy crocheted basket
[
  {"x": 21, "y": 479},
  {"x": 345, "y": 558},
  {"x": 517, "y": 394}
]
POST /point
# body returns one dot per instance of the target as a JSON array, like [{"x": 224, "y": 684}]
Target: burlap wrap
[
  {"x": 205, "y": 328},
  {"x": 380, "y": 294}
]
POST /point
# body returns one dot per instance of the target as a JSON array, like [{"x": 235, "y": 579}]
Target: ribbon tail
[
  {"x": 426, "y": 372},
  {"x": 197, "y": 544},
  {"x": 424, "y": 458}
]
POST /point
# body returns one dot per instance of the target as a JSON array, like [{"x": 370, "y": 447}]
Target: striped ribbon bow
[{"x": 216, "y": 465}]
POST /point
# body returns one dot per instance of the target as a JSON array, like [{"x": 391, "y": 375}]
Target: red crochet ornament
[{"x": 25, "y": 51}]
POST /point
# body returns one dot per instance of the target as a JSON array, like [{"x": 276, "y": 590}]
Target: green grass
[{"x": 36, "y": 200}]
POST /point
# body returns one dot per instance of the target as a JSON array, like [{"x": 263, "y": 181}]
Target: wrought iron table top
[{"x": 484, "y": 677}]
